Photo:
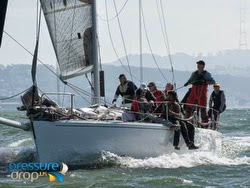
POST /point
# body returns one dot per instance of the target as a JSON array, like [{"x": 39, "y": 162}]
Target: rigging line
[
  {"x": 76, "y": 88},
  {"x": 30, "y": 53},
  {"x": 80, "y": 95},
  {"x": 91, "y": 85},
  {"x": 83, "y": 91},
  {"x": 39, "y": 60},
  {"x": 79, "y": 89},
  {"x": 149, "y": 45},
  {"x": 106, "y": 20},
  {"x": 10, "y": 97},
  {"x": 168, "y": 45},
  {"x": 123, "y": 41},
  {"x": 162, "y": 29},
  {"x": 71, "y": 88},
  {"x": 112, "y": 42}
]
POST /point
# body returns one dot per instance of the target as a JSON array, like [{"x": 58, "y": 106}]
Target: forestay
[{"x": 70, "y": 27}]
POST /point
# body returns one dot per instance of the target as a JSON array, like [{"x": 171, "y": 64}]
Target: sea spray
[{"x": 189, "y": 158}]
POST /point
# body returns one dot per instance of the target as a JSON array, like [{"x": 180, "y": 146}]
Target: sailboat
[{"x": 69, "y": 137}]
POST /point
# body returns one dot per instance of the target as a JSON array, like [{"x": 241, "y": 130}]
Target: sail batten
[{"x": 70, "y": 26}]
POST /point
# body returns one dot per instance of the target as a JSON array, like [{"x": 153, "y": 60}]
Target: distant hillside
[
  {"x": 16, "y": 78},
  {"x": 233, "y": 62}
]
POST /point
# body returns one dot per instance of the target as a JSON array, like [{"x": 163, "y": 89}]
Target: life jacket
[
  {"x": 216, "y": 98},
  {"x": 135, "y": 105},
  {"x": 199, "y": 79},
  {"x": 123, "y": 88},
  {"x": 127, "y": 91}
]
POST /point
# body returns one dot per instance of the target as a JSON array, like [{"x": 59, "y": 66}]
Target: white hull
[{"x": 75, "y": 142}]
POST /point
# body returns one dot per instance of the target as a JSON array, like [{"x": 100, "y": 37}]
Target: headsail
[
  {"x": 3, "y": 9},
  {"x": 70, "y": 27}
]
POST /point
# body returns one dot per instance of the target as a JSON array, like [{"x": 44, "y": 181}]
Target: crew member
[
  {"x": 157, "y": 93},
  {"x": 200, "y": 80},
  {"x": 174, "y": 115},
  {"x": 168, "y": 87},
  {"x": 217, "y": 102},
  {"x": 126, "y": 89},
  {"x": 148, "y": 95},
  {"x": 140, "y": 105}
]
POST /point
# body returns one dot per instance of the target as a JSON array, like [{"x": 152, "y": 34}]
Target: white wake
[{"x": 232, "y": 152}]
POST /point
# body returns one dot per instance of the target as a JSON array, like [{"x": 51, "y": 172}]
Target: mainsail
[{"x": 70, "y": 27}]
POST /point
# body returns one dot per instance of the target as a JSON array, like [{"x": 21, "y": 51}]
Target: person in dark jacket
[
  {"x": 217, "y": 102},
  {"x": 148, "y": 95},
  {"x": 174, "y": 115},
  {"x": 126, "y": 89}
]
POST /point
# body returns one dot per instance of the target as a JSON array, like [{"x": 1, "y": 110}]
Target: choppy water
[{"x": 228, "y": 168}]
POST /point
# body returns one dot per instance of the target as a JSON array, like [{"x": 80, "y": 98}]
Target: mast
[
  {"x": 140, "y": 41},
  {"x": 95, "y": 73},
  {"x": 243, "y": 33}
]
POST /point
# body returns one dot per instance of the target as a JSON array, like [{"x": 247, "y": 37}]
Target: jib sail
[{"x": 70, "y": 27}]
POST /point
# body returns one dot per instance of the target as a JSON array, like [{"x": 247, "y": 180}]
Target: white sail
[
  {"x": 70, "y": 27},
  {"x": 64, "y": 169}
]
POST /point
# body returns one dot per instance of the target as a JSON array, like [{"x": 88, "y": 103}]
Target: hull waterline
[{"x": 83, "y": 142}]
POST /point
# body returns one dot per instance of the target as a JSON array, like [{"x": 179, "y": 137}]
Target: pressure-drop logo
[
  {"x": 32, "y": 171},
  {"x": 58, "y": 175}
]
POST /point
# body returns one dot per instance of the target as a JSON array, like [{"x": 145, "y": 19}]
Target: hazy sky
[{"x": 193, "y": 26}]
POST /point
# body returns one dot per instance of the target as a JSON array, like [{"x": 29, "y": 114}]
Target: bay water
[{"x": 228, "y": 168}]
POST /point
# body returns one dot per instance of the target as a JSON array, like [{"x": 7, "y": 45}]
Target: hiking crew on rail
[{"x": 150, "y": 103}]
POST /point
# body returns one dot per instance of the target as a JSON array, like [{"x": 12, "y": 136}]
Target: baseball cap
[{"x": 143, "y": 87}]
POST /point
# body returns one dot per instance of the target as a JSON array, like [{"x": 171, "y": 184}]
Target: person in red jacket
[
  {"x": 200, "y": 80},
  {"x": 159, "y": 96}
]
